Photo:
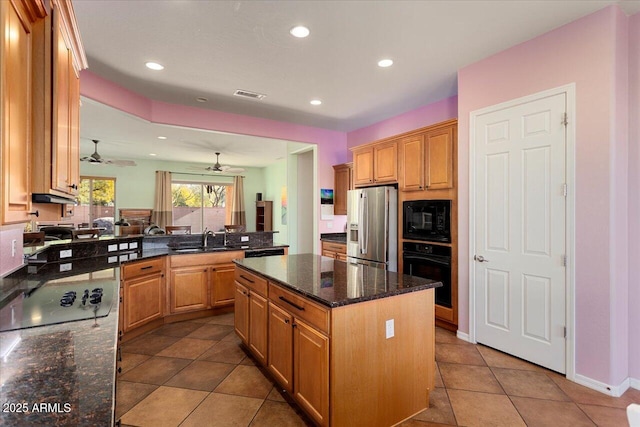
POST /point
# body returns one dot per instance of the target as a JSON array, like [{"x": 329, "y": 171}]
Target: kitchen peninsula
[{"x": 352, "y": 344}]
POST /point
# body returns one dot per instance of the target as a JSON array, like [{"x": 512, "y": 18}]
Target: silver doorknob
[{"x": 480, "y": 258}]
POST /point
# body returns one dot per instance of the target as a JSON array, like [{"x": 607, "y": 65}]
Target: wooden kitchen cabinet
[
  {"x": 342, "y": 182},
  {"x": 17, "y": 19},
  {"x": 334, "y": 250},
  {"x": 376, "y": 164},
  {"x": 202, "y": 281},
  {"x": 427, "y": 159},
  {"x": 252, "y": 320},
  {"x": 264, "y": 213},
  {"x": 143, "y": 298},
  {"x": 299, "y": 350},
  {"x": 59, "y": 57},
  {"x": 189, "y": 289}
]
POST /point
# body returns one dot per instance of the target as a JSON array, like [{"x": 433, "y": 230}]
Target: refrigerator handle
[
  {"x": 360, "y": 223},
  {"x": 365, "y": 224}
]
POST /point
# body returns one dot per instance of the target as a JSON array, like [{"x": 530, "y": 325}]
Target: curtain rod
[{"x": 206, "y": 174}]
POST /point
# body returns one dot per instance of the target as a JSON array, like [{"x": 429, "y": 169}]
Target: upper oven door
[{"x": 428, "y": 220}]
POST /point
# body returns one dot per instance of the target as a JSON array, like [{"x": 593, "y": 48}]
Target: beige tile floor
[{"x": 194, "y": 373}]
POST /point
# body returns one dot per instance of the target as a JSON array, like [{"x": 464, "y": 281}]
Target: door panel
[{"x": 520, "y": 230}]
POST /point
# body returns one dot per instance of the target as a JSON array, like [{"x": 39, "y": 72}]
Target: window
[
  {"x": 201, "y": 205},
  {"x": 96, "y": 204}
]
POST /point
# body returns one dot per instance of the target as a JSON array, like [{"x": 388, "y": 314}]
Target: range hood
[{"x": 49, "y": 198}]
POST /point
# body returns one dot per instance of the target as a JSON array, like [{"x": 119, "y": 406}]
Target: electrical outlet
[
  {"x": 330, "y": 224},
  {"x": 14, "y": 247},
  {"x": 244, "y": 238},
  {"x": 390, "y": 328},
  {"x": 124, "y": 246},
  {"x": 66, "y": 267},
  {"x": 66, "y": 254},
  {"x": 112, "y": 248}
]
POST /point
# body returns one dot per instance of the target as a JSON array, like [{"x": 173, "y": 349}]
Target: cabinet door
[
  {"x": 341, "y": 184},
  {"x": 15, "y": 112},
  {"x": 258, "y": 318},
  {"x": 61, "y": 100},
  {"x": 385, "y": 164},
  {"x": 413, "y": 163},
  {"x": 241, "y": 313},
  {"x": 189, "y": 289},
  {"x": 363, "y": 166},
  {"x": 222, "y": 285},
  {"x": 281, "y": 347},
  {"x": 311, "y": 371},
  {"x": 74, "y": 130},
  {"x": 439, "y": 156},
  {"x": 143, "y": 300}
]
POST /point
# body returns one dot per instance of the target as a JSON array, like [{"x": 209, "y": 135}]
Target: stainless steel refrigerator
[{"x": 372, "y": 227}]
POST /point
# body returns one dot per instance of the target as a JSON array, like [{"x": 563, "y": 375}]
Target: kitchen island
[{"x": 353, "y": 345}]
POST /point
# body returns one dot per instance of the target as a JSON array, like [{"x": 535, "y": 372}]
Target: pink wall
[
  {"x": 7, "y": 235},
  {"x": 582, "y": 52},
  {"x": 424, "y": 116},
  {"x": 634, "y": 197},
  {"x": 331, "y": 144}
]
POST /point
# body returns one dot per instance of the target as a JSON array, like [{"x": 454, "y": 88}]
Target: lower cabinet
[
  {"x": 143, "y": 297},
  {"x": 251, "y": 313},
  {"x": 189, "y": 289},
  {"x": 334, "y": 250},
  {"x": 222, "y": 285}
]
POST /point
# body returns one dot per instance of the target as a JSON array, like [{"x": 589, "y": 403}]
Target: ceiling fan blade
[{"x": 120, "y": 162}]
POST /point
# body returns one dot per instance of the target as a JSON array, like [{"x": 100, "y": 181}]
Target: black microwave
[{"x": 428, "y": 220}]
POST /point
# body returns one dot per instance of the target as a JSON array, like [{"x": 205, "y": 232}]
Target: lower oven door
[{"x": 431, "y": 267}]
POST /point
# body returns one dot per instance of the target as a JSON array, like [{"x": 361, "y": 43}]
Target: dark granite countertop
[
  {"x": 334, "y": 237},
  {"x": 334, "y": 283},
  {"x": 70, "y": 366}
]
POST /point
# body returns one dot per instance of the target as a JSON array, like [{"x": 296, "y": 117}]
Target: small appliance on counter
[{"x": 372, "y": 236}]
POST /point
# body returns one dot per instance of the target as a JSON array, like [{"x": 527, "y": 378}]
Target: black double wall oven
[{"x": 428, "y": 222}]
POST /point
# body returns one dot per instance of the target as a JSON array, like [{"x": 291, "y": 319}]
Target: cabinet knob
[
  {"x": 286, "y": 320},
  {"x": 36, "y": 213},
  {"x": 73, "y": 187}
]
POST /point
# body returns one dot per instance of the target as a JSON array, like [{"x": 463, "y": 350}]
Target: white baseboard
[
  {"x": 463, "y": 336},
  {"x": 634, "y": 383},
  {"x": 611, "y": 390}
]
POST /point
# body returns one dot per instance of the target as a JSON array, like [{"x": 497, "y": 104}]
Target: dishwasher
[{"x": 257, "y": 253}]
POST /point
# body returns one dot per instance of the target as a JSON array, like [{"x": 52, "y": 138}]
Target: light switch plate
[
  {"x": 124, "y": 246},
  {"x": 112, "y": 248},
  {"x": 244, "y": 238},
  {"x": 133, "y": 245},
  {"x": 66, "y": 267},
  {"x": 390, "y": 328}
]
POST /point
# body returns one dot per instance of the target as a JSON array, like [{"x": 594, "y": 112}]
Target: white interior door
[{"x": 520, "y": 248}]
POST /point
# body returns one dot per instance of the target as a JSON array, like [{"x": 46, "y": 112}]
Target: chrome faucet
[{"x": 205, "y": 236}]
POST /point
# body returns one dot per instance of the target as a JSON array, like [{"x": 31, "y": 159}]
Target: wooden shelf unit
[{"x": 264, "y": 216}]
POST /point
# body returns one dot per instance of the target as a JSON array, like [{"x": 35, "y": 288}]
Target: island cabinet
[
  {"x": 299, "y": 350},
  {"x": 17, "y": 19},
  {"x": 201, "y": 281},
  {"x": 427, "y": 158},
  {"x": 251, "y": 312},
  {"x": 351, "y": 347},
  {"x": 375, "y": 164},
  {"x": 58, "y": 59},
  {"x": 142, "y": 291}
]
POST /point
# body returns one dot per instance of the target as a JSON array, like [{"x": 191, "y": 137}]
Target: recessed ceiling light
[
  {"x": 201, "y": 99},
  {"x": 162, "y": 137},
  {"x": 315, "y": 102},
  {"x": 152, "y": 154},
  {"x": 299, "y": 31},
  {"x": 384, "y": 63},
  {"x": 154, "y": 66}
]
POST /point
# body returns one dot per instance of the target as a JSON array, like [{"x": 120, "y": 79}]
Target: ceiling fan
[
  {"x": 218, "y": 168},
  {"x": 97, "y": 158}
]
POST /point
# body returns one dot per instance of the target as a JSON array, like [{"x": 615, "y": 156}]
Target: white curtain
[
  {"x": 238, "y": 215},
  {"x": 163, "y": 206}
]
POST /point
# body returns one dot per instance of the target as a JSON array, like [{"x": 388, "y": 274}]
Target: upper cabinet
[
  {"x": 427, "y": 158},
  {"x": 375, "y": 164},
  {"x": 58, "y": 59},
  {"x": 342, "y": 182},
  {"x": 17, "y": 20}
]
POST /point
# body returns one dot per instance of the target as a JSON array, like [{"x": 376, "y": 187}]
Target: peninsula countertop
[{"x": 334, "y": 283}]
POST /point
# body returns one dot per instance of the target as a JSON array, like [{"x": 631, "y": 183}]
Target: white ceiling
[{"x": 211, "y": 48}]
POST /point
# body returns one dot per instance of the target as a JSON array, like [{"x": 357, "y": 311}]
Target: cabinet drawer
[
  {"x": 334, "y": 247},
  {"x": 141, "y": 268},
  {"x": 300, "y": 307},
  {"x": 251, "y": 281}
]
